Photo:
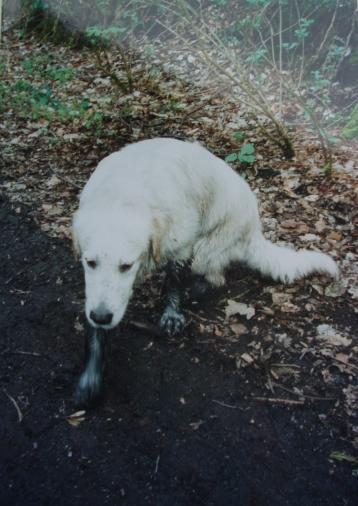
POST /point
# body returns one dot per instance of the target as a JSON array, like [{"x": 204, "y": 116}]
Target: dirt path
[{"x": 163, "y": 435}]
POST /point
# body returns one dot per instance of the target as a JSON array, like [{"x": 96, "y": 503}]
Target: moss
[{"x": 350, "y": 131}]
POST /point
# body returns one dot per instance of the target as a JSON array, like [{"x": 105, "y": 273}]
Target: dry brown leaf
[
  {"x": 280, "y": 298},
  {"x": 247, "y": 358},
  {"x": 342, "y": 357},
  {"x": 76, "y": 418},
  {"x": 335, "y": 236},
  {"x": 320, "y": 225},
  {"x": 196, "y": 425},
  {"x": 331, "y": 336},
  {"x": 239, "y": 329},
  {"x": 289, "y": 224},
  {"x": 240, "y": 308},
  {"x": 288, "y": 307}
]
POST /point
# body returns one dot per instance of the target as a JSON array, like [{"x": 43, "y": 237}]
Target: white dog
[{"x": 169, "y": 202}]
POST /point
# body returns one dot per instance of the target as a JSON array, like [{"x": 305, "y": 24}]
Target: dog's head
[{"x": 114, "y": 248}]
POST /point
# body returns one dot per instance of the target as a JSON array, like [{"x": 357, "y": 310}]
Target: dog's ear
[
  {"x": 155, "y": 250},
  {"x": 155, "y": 243},
  {"x": 75, "y": 244}
]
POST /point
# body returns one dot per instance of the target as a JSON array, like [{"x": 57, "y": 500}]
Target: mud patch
[{"x": 179, "y": 424}]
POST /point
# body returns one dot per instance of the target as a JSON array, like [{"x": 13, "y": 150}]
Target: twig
[
  {"x": 294, "y": 366},
  {"x": 275, "y": 400},
  {"x": 66, "y": 180},
  {"x": 326, "y": 35},
  {"x": 225, "y": 405},
  {"x": 14, "y": 276},
  {"x": 305, "y": 396},
  {"x": 21, "y": 352},
  {"x": 198, "y": 317},
  {"x": 147, "y": 327},
  {"x": 348, "y": 364},
  {"x": 1, "y": 6},
  {"x": 254, "y": 97},
  {"x": 348, "y": 40},
  {"x": 157, "y": 464},
  {"x": 280, "y": 57},
  {"x": 18, "y": 410}
]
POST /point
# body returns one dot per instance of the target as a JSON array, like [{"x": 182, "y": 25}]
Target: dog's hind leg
[{"x": 89, "y": 386}]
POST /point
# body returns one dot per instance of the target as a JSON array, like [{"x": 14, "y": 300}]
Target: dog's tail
[{"x": 285, "y": 264}]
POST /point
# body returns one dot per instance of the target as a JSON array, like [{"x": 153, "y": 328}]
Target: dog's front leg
[
  {"x": 89, "y": 386},
  {"x": 178, "y": 279}
]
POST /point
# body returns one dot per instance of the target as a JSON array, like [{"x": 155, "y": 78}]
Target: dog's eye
[
  {"x": 125, "y": 267},
  {"x": 92, "y": 264}
]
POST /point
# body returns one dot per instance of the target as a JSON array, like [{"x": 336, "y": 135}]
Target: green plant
[
  {"x": 350, "y": 130},
  {"x": 40, "y": 66},
  {"x": 239, "y": 136},
  {"x": 246, "y": 155}
]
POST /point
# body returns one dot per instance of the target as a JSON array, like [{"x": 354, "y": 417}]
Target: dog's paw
[
  {"x": 88, "y": 389},
  {"x": 171, "y": 322}
]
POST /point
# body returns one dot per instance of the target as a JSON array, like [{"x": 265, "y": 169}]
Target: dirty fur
[{"x": 165, "y": 202}]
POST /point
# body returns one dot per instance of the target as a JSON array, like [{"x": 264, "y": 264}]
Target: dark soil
[{"x": 158, "y": 437}]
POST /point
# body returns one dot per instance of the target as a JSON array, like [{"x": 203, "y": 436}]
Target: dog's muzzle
[{"x": 101, "y": 316}]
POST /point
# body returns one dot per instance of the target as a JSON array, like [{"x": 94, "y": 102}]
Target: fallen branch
[
  {"x": 275, "y": 400},
  {"x": 18, "y": 410},
  {"x": 21, "y": 352},
  {"x": 157, "y": 464},
  {"x": 305, "y": 396},
  {"x": 226, "y": 405},
  {"x": 144, "y": 326}
]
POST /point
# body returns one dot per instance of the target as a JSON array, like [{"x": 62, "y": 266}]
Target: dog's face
[{"x": 112, "y": 249}]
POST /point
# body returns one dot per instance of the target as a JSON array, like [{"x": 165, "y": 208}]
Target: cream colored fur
[{"x": 165, "y": 199}]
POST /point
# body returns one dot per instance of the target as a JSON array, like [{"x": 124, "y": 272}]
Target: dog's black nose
[{"x": 101, "y": 317}]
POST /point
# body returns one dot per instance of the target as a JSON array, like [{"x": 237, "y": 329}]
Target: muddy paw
[
  {"x": 88, "y": 389},
  {"x": 171, "y": 322}
]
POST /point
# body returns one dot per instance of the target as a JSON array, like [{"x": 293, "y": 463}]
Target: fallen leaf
[
  {"x": 77, "y": 414},
  {"x": 284, "y": 340},
  {"x": 288, "y": 307},
  {"x": 76, "y": 418},
  {"x": 267, "y": 310},
  {"x": 196, "y": 425},
  {"x": 318, "y": 288},
  {"x": 312, "y": 198},
  {"x": 335, "y": 289},
  {"x": 331, "y": 336},
  {"x": 342, "y": 357},
  {"x": 71, "y": 137},
  {"x": 240, "y": 308},
  {"x": 79, "y": 327},
  {"x": 280, "y": 298},
  {"x": 335, "y": 236},
  {"x": 217, "y": 331},
  {"x": 53, "y": 181},
  {"x": 289, "y": 224},
  {"x": 320, "y": 225},
  {"x": 309, "y": 237},
  {"x": 239, "y": 329},
  {"x": 247, "y": 358},
  {"x": 342, "y": 456}
]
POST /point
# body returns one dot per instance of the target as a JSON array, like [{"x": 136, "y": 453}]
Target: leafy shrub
[{"x": 350, "y": 131}]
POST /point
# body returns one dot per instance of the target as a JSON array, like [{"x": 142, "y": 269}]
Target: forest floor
[{"x": 256, "y": 402}]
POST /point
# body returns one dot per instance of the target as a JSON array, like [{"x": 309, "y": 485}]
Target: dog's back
[
  {"x": 206, "y": 211},
  {"x": 178, "y": 181}
]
